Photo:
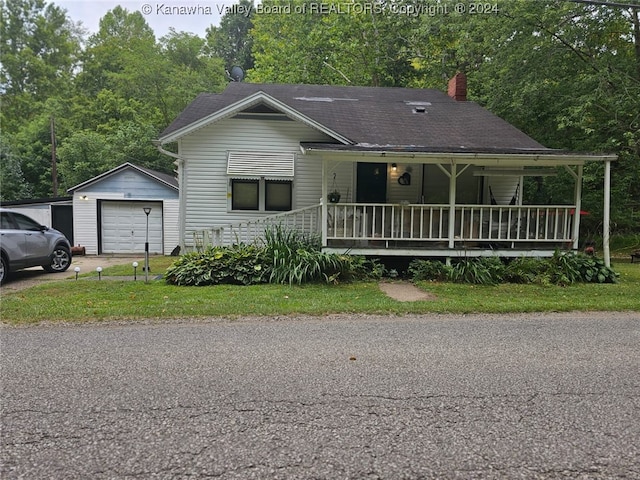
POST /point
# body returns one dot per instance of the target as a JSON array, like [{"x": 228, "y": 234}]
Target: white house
[{"x": 419, "y": 172}]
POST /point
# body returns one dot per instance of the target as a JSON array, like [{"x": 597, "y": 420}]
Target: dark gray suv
[{"x": 25, "y": 243}]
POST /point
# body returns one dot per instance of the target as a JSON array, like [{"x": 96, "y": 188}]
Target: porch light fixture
[
  {"x": 394, "y": 167},
  {"x": 84, "y": 197}
]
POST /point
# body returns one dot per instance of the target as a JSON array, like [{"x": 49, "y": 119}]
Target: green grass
[{"x": 91, "y": 300}]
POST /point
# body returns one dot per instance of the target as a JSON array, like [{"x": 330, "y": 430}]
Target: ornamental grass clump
[
  {"x": 478, "y": 271},
  {"x": 293, "y": 257}
]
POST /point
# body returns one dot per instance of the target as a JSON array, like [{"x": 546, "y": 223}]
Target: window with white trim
[
  {"x": 245, "y": 194},
  {"x": 261, "y": 181},
  {"x": 278, "y": 195}
]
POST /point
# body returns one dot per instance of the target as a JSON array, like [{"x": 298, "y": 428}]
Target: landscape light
[{"x": 147, "y": 211}]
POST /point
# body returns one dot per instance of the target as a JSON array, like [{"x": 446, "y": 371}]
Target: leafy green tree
[
  {"x": 130, "y": 88},
  {"x": 123, "y": 38},
  {"x": 13, "y": 185},
  {"x": 338, "y": 44},
  {"x": 187, "y": 70},
  {"x": 566, "y": 73},
  {"x": 38, "y": 52},
  {"x": 84, "y": 155},
  {"x": 231, "y": 40},
  {"x": 39, "y": 48}
]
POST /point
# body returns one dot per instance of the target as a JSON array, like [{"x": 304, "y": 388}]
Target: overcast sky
[{"x": 156, "y": 13}]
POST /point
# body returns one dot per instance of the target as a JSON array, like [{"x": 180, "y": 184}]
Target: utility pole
[{"x": 54, "y": 162}]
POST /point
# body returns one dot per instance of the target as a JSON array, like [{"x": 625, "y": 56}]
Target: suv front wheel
[
  {"x": 4, "y": 269},
  {"x": 60, "y": 260}
]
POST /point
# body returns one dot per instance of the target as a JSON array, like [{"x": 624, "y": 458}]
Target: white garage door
[{"x": 124, "y": 227}]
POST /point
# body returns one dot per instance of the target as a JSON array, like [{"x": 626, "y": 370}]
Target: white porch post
[
  {"x": 578, "y": 203},
  {"x": 606, "y": 219},
  {"x": 323, "y": 202},
  {"x": 452, "y": 204}
]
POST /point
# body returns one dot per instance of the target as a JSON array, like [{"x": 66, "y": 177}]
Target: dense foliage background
[{"x": 567, "y": 72}]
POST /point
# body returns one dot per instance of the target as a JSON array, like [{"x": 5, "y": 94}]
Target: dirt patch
[{"x": 405, "y": 292}]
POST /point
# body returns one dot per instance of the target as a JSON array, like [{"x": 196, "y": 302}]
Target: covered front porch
[
  {"x": 454, "y": 204},
  {"x": 398, "y": 217}
]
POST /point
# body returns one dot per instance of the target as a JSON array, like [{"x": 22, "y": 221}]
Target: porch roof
[{"x": 487, "y": 156}]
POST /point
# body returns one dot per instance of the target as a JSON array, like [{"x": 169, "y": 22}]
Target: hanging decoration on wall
[{"x": 405, "y": 179}]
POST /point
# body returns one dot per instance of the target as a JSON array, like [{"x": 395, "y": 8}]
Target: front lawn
[{"x": 89, "y": 299}]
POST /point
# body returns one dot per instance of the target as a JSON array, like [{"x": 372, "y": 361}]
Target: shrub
[
  {"x": 362, "y": 268},
  {"x": 561, "y": 269},
  {"x": 285, "y": 256},
  {"x": 239, "y": 264},
  {"x": 302, "y": 266},
  {"x": 430, "y": 270},
  {"x": 593, "y": 270},
  {"x": 525, "y": 270}
]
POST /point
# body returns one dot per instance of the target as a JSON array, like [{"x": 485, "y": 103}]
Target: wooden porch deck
[{"x": 418, "y": 230}]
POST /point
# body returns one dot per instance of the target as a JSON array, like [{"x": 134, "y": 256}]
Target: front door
[{"x": 371, "y": 184}]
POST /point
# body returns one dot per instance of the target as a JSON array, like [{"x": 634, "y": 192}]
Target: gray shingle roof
[
  {"x": 170, "y": 180},
  {"x": 375, "y": 117}
]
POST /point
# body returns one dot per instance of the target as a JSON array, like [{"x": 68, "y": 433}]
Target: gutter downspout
[
  {"x": 180, "y": 163},
  {"x": 606, "y": 216},
  {"x": 158, "y": 145}
]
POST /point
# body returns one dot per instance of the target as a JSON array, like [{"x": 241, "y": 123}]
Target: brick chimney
[{"x": 457, "y": 88}]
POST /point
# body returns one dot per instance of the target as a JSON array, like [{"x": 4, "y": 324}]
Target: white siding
[
  {"x": 171, "y": 229},
  {"x": 404, "y": 193},
  {"x": 40, "y": 213},
  {"x": 344, "y": 180},
  {"x": 204, "y": 154},
  {"x": 85, "y": 218}
]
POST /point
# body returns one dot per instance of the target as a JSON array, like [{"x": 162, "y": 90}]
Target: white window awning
[{"x": 261, "y": 164}]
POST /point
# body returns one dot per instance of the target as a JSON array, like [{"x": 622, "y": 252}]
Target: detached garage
[{"x": 109, "y": 211}]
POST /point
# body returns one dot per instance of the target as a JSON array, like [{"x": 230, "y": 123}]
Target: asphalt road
[{"x": 420, "y": 397}]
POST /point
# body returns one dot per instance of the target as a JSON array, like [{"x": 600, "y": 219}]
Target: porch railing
[
  {"x": 306, "y": 220},
  {"x": 357, "y": 224},
  {"x": 430, "y": 223}
]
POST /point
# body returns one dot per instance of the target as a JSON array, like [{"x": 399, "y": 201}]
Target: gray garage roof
[
  {"x": 168, "y": 180},
  {"x": 374, "y": 117}
]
